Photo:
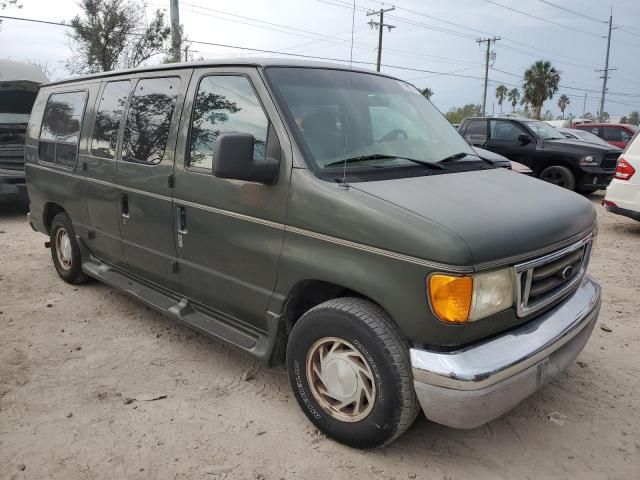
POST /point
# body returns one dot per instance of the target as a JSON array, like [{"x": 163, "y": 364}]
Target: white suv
[{"x": 623, "y": 193}]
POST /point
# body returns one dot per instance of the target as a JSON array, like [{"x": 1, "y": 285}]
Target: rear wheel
[
  {"x": 350, "y": 372},
  {"x": 559, "y": 175},
  {"x": 65, "y": 251}
]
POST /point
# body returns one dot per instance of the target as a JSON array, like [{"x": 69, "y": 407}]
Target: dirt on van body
[{"x": 95, "y": 385}]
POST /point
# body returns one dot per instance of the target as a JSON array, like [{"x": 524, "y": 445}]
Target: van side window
[
  {"x": 148, "y": 119},
  {"x": 108, "y": 118},
  {"x": 60, "y": 131},
  {"x": 225, "y": 104}
]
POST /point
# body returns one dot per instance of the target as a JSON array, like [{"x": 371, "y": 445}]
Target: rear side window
[
  {"x": 149, "y": 119},
  {"x": 225, "y": 104},
  {"x": 60, "y": 131},
  {"x": 612, "y": 134},
  {"x": 108, "y": 118},
  {"x": 476, "y": 130}
]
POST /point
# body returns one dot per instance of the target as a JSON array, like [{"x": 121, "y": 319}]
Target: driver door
[
  {"x": 503, "y": 139},
  {"x": 228, "y": 233}
]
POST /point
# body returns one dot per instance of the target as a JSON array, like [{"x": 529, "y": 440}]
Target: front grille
[
  {"x": 12, "y": 157},
  {"x": 610, "y": 161},
  {"x": 547, "y": 279}
]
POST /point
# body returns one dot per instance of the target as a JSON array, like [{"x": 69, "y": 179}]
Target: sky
[{"x": 432, "y": 45}]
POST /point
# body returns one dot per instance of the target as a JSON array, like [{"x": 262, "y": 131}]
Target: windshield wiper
[
  {"x": 382, "y": 156},
  {"x": 458, "y": 156}
]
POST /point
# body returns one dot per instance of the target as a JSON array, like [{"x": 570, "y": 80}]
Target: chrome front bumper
[{"x": 472, "y": 386}]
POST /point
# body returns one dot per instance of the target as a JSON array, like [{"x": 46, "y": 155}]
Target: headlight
[
  {"x": 461, "y": 299},
  {"x": 590, "y": 160}
]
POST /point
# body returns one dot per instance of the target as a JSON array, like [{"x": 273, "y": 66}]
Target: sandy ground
[{"x": 80, "y": 368}]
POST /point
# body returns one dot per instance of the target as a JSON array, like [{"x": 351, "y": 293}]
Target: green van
[{"x": 323, "y": 217}]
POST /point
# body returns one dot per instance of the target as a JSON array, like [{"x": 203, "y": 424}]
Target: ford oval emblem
[{"x": 567, "y": 273}]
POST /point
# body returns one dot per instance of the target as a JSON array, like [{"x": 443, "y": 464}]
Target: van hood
[{"x": 499, "y": 214}]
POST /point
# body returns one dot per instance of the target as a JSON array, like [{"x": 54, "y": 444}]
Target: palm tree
[
  {"x": 427, "y": 92},
  {"x": 540, "y": 83},
  {"x": 525, "y": 102},
  {"x": 513, "y": 96},
  {"x": 563, "y": 101},
  {"x": 501, "y": 92}
]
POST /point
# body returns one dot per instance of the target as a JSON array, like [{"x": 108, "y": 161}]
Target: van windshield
[{"x": 377, "y": 121}]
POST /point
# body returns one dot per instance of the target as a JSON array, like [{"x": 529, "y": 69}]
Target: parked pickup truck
[
  {"x": 326, "y": 218},
  {"x": 572, "y": 164},
  {"x": 18, "y": 87}
]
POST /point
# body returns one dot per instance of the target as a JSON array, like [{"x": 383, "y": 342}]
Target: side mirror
[
  {"x": 233, "y": 159},
  {"x": 524, "y": 139}
]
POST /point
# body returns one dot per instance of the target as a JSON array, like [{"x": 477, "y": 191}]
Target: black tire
[
  {"x": 71, "y": 271},
  {"x": 560, "y": 176},
  {"x": 365, "y": 327}
]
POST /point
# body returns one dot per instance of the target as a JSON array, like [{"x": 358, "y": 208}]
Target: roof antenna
[{"x": 344, "y": 183}]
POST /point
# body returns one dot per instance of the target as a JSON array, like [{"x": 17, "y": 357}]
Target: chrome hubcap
[
  {"x": 63, "y": 248},
  {"x": 341, "y": 379}
]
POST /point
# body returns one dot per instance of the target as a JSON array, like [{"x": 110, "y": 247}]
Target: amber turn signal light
[{"x": 451, "y": 297}]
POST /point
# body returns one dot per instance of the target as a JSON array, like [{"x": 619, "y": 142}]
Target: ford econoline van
[{"x": 323, "y": 217}]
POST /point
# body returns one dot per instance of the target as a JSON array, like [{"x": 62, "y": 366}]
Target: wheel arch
[
  {"x": 557, "y": 160},
  {"x": 49, "y": 212},
  {"x": 302, "y": 297}
]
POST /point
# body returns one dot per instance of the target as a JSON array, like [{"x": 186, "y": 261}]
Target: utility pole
[
  {"x": 175, "y": 30},
  {"x": 186, "y": 53},
  {"x": 605, "y": 75},
  {"x": 486, "y": 68},
  {"x": 584, "y": 105},
  {"x": 380, "y": 26}
]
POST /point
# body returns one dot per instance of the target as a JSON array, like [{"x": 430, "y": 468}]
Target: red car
[{"x": 617, "y": 134}]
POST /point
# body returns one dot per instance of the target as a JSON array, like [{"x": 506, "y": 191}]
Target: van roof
[{"x": 234, "y": 62}]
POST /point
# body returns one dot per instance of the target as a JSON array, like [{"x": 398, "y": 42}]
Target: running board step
[{"x": 177, "y": 308}]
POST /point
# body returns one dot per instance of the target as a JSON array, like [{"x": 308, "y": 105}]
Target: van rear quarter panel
[{"x": 48, "y": 183}]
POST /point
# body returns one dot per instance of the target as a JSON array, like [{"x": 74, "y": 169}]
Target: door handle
[
  {"x": 124, "y": 205},
  {"x": 181, "y": 220}
]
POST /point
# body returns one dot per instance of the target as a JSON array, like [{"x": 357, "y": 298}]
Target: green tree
[
  {"x": 605, "y": 116},
  {"x": 634, "y": 118},
  {"x": 563, "y": 102},
  {"x": 588, "y": 116},
  {"x": 427, "y": 92},
  {"x": 456, "y": 115},
  {"x": 540, "y": 82},
  {"x": 547, "y": 116},
  {"x": 113, "y": 34},
  {"x": 513, "y": 96},
  {"x": 501, "y": 93}
]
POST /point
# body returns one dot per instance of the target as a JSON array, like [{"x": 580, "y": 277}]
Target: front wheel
[
  {"x": 350, "y": 372},
  {"x": 560, "y": 176}
]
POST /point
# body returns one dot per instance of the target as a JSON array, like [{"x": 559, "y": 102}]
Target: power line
[
  {"x": 566, "y": 27},
  {"x": 278, "y": 52},
  {"x": 58, "y": 24},
  {"x": 573, "y": 12},
  {"x": 306, "y": 33},
  {"x": 544, "y": 19},
  {"x": 331, "y": 59},
  {"x": 464, "y": 35}
]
